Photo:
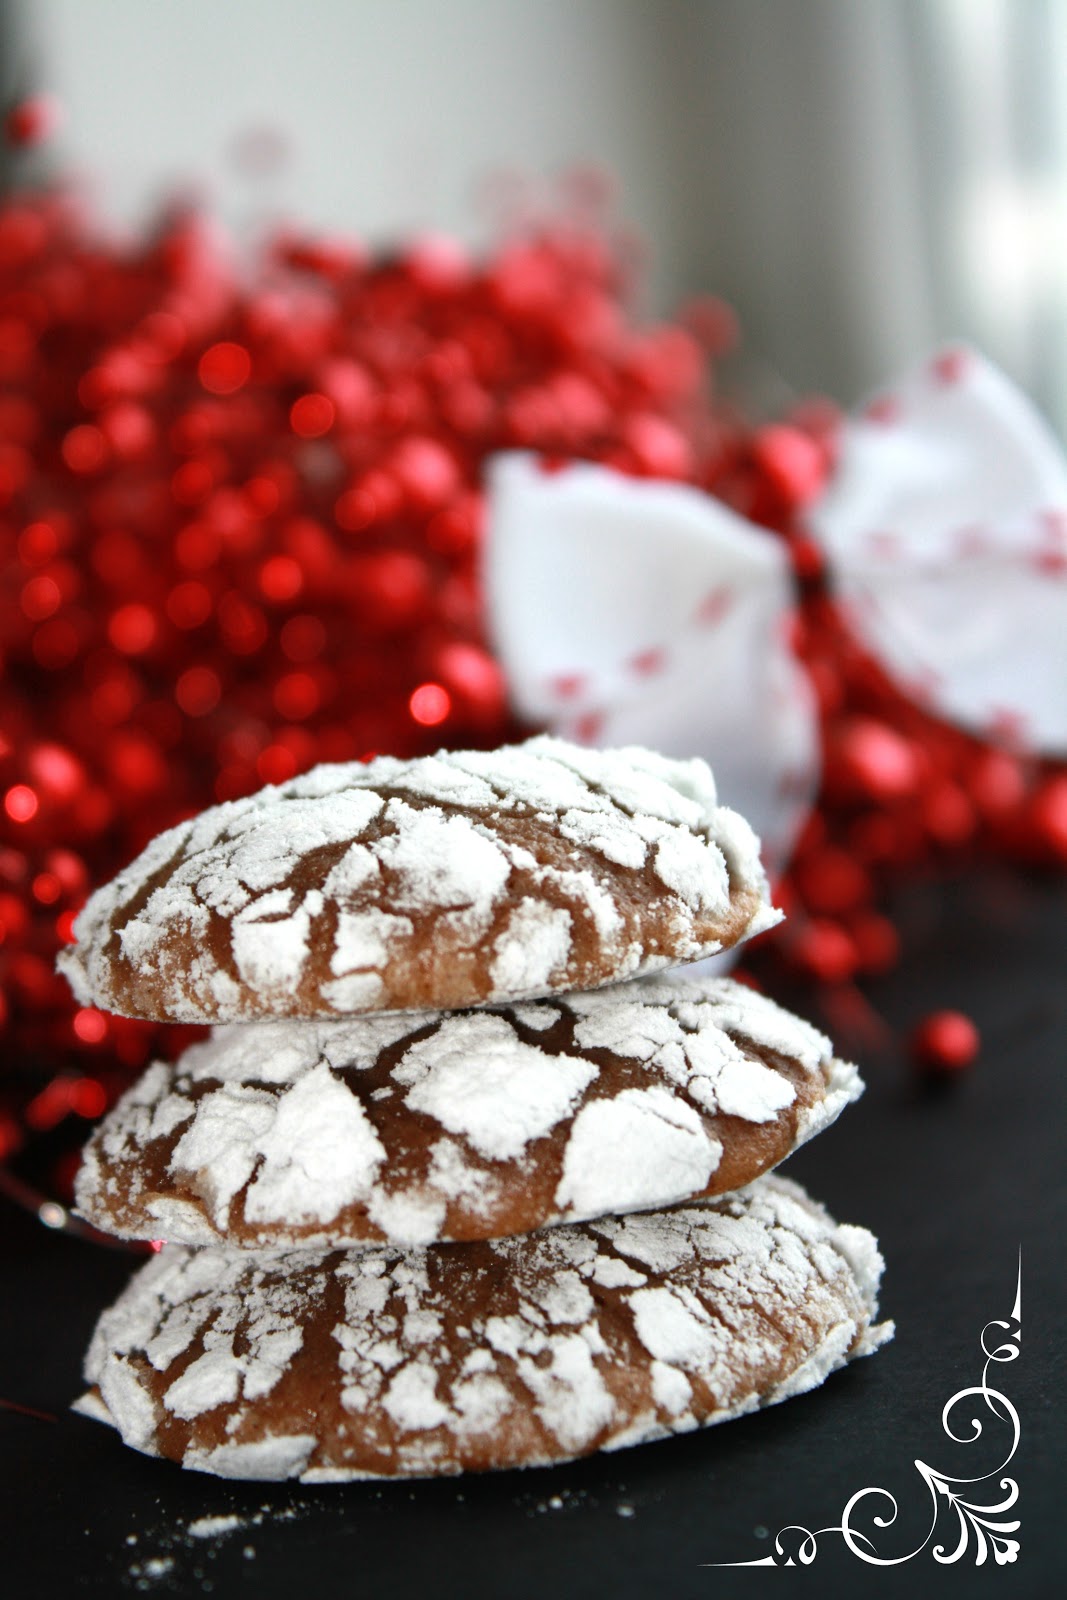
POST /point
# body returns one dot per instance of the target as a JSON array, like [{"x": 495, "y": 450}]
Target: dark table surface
[{"x": 955, "y": 1183}]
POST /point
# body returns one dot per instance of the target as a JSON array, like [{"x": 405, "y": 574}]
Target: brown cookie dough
[
  {"x": 450, "y": 881},
  {"x": 513, "y": 1352},
  {"x": 417, "y": 1127}
]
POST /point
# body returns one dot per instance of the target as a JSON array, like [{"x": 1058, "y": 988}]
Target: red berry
[
  {"x": 793, "y": 462},
  {"x": 824, "y": 950},
  {"x": 875, "y": 760},
  {"x": 831, "y": 880},
  {"x": 945, "y": 1042},
  {"x": 1050, "y": 814},
  {"x": 876, "y": 941}
]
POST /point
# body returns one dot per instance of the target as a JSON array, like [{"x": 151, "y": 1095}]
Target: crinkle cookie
[
  {"x": 508, "y": 1353},
  {"x": 443, "y": 882},
  {"x": 416, "y": 1127}
]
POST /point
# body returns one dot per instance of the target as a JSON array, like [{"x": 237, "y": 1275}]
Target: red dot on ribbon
[
  {"x": 568, "y": 685},
  {"x": 648, "y": 663},
  {"x": 884, "y": 410},
  {"x": 714, "y": 606},
  {"x": 587, "y": 729},
  {"x": 1007, "y": 726},
  {"x": 1051, "y": 563},
  {"x": 972, "y": 542},
  {"x": 950, "y": 367}
]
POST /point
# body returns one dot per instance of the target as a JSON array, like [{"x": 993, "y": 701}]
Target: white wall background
[
  {"x": 393, "y": 113},
  {"x": 860, "y": 177}
]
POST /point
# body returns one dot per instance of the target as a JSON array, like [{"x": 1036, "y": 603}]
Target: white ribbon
[
  {"x": 626, "y": 611},
  {"x": 945, "y": 527},
  {"x": 629, "y": 611}
]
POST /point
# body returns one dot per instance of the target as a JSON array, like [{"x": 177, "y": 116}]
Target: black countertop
[{"x": 954, "y": 1183}]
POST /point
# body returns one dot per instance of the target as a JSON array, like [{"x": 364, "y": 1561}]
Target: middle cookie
[{"x": 414, "y": 1127}]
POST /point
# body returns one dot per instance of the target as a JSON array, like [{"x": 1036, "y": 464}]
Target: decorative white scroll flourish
[{"x": 795, "y": 1544}]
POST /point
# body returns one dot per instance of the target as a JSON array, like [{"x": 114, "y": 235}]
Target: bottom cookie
[{"x": 506, "y": 1353}]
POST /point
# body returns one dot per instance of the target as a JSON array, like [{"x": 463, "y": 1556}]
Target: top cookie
[{"x": 453, "y": 880}]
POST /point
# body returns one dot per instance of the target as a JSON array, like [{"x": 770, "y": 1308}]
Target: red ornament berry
[
  {"x": 656, "y": 448},
  {"x": 793, "y": 462},
  {"x": 430, "y": 704},
  {"x": 945, "y": 1042},
  {"x": 825, "y": 952},
  {"x": 312, "y": 415},
  {"x": 947, "y": 814},
  {"x": 831, "y": 880},
  {"x": 21, "y": 803},
  {"x": 1050, "y": 815},
  {"x": 225, "y": 368},
  {"x": 876, "y": 942},
  {"x": 875, "y": 760}
]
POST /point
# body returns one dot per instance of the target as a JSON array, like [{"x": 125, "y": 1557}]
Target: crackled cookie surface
[
  {"x": 442, "y": 882},
  {"x": 415, "y": 1127},
  {"x": 513, "y": 1352}
]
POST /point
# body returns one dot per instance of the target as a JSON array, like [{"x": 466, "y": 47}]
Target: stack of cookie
[{"x": 459, "y": 1180}]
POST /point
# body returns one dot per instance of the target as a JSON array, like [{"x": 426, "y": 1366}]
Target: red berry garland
[{"x": 240, "y": 524}]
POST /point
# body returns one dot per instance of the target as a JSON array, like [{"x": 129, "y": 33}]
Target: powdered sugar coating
[
  {"x": 449, "y": 881},
  {"x": 508, "y": 1353},
  {"x": 417, "y": 1127}
]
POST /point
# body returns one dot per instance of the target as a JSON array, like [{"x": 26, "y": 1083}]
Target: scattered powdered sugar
[
  {"x": 408, "y": 1218},
  {"x": 221, "y": 1143},
  {"x": 186, "y": 1550},
  {"x": 320, "y": 1152},
  {"x": 441, "y": 860},
  {"x": 411, "y": 1398},
  {"x": 214, "y": 1527},
  {"x": 312, "y": 1149},
  {"x": 154, "y": 1567},
  {"x": 646, "y": 1147},
  {"x": 696, "y": 874},
  {"x": 270, "y": 950},
  {"x": 452, "y": 1175},
  {"x": 579, "y": 1338},
  {"x": 475, "y": 1077},
  {"x": 534, "y": 945},
  {"x": 675, "y": 1332},
  {"x": 726, "y": 1080},
  {"x": 282, "y": 1456},
  {"x": 312, "y": 897}
]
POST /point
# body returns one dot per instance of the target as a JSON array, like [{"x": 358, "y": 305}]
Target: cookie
[
  {"x": 444, "y": 882},
  {"x": 417, "y": 1127},
  {"x": 505, "y": 1353}
]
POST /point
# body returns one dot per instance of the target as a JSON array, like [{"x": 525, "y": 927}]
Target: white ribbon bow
[
  {"x": 945, "y": 526},
  {"x": 628, "y": 611}
]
